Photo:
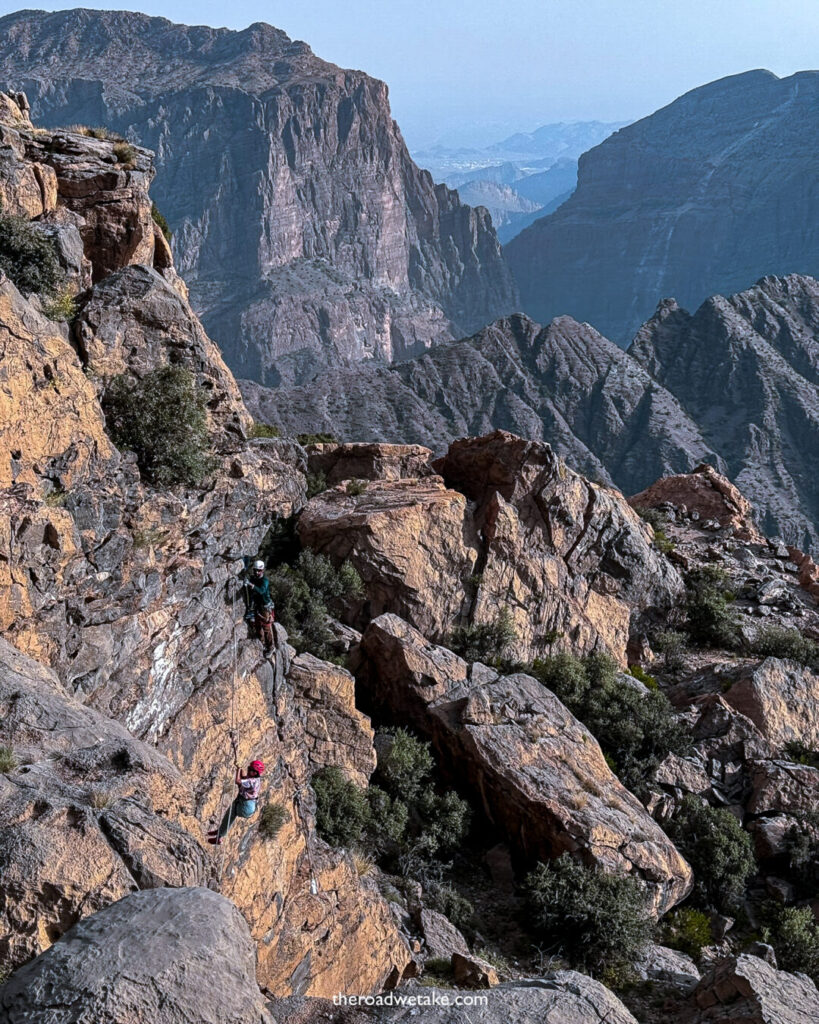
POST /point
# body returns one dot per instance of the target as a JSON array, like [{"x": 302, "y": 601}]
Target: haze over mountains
[
  {"x": 736, "y": 384},
  {"x": 307, "y": 235},
  {"x": 705, "y": 196}
]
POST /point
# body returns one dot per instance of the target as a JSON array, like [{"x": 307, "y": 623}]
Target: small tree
[
  {"x": 598, "y": 921},
  {"x": 163, "y": 419},
  {"x": 711, "y": 618},
  {"x": 794, "y": 934},
  {"x": 342, "y": 810},
  {"x": 484, "y": 641},
  {"x": 718, "y": 849},
  {"x": 28, "y": 257}
]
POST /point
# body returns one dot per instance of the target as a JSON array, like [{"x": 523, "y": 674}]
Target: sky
[{"x": 477, "y": 70}]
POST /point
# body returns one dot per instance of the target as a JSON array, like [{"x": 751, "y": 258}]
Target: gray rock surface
[
  {"x": 305, "y": 231},
  {"x": 167, "y": 955},
  {"x": 747, "y": 990},
  {"x": 705, "y": 195}
]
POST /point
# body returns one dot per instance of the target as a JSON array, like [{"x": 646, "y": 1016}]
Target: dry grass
[
  {"x": 364, "y": 864},
  {"x": 8, "y": 762}
]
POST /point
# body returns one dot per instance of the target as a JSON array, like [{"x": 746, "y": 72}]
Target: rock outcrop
[
  {"x": 170, "y": 955},
  {"x": 782, "y": 699},
  {"x": 621, "y": 417},
  {"x": 514, "y": 529},
  {"x": 306, "y": 233},
  {"x": 746, "y": 989},
  {"x": 537, "y": 772},
  {"x": 655, "y": 210}
]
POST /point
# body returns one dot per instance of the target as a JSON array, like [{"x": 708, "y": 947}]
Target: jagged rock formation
[
  {"x": 124, "y": 592},
  {"x": 506, "y": 525},
  {"x": 736, "y": 385},
  {"x": 703, "y": 196},
  {"x": 154, "y": 955},
  {"x": 746, "y": 989},
  {"x": 307, "y": 235},
  {"x": 536, "y": 770}
]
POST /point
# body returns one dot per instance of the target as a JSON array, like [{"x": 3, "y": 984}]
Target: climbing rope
[{"x": 226, "y": 790}]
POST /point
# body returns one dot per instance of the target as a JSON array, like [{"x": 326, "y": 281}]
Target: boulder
[
  {"x": 472, "y": 972},
  {"x": 441, "y": 937},
  {"x": 369, "y": 461},
  {"x": 781, "y": 698},
  {"x": 782, "y": 787},
  {"x": 169, "y": 955},
  {"x": 747, "y": 990},
  {"x": 539, "y": 773},
  {"x": 668, "y": 968},
  {"x": 708, "y": 493}
]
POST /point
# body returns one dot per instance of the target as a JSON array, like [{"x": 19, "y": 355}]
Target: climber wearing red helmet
[{"x": 244, "y": 806}]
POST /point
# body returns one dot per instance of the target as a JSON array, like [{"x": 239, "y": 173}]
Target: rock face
[
  {"x": 748, "y": 990},
  {"x": 782, "y": 699},
  {"x": 171, "y": 955},
  {"x": 655, "y": 210},
  {"x": 537, "y": 771},
  {"x": 515, "y": 529},
  {"x": 626, "y": 418},
  {"x": 306, "y": 233}
]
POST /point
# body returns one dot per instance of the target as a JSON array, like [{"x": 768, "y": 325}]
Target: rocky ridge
[
  {"x": 305, "y": 232},
  {"x": 734, "y": 384},
  {"x": 686, "y": 202}
]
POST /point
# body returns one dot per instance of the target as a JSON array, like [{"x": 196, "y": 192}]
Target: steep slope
[
  {"x": 307, "y": 235},
  {"x": 736, "y": 385},
  {"x": 704, "y": 196}
]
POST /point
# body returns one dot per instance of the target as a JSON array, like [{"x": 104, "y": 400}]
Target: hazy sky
[{"x": 498, "y": 67}]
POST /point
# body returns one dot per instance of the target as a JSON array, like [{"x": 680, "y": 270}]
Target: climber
[
  {"x": 244, "y": 806},
  {"x": 260, "y": 608}
]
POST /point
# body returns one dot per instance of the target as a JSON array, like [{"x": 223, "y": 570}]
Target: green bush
[
  {"x": 596, "y": 920},
  {"x": 663, "y": 543},
  {"x": 62, "y": 307},
  {"x": 640, "y": 674},
  {"x": 405, "y": 767},
  {"x": 486, "y": 642},
  {"x": 8, "y": 762},
  {"x": 356, "y": 487},
  {"x": 653, "y": 516},
  {"x": 778, "y": 642},
  {"x": 28, "y": 258},
  {"x": 163, "y": 419},
  {"x": 446, "y": 899},
  {"x": 794, "y": 934},
  {"x": 160, "y": 221},
  {"x": 316, "y": 483},
  {"x": 801, "y": 754},
  {"x": 342, "y": 810},
  {"x": 718, "y": 849},
  {"x": 673, "y": 646},
  {"x": 802, "y": 851},
  {"x": 306, "y": 593},
  {"x": 636, "y": 731},
  {"x": 305, "y": 439},
  {"x": 688, "y": 930},
  {"x": 710, "y": 617},
  {"x": 271, "y": 820},
  {"x": 264, "y": 430}
]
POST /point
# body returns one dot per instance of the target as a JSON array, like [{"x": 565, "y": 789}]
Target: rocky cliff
[
  {"x": 305, "y": 232},
  {"x": 734, "y": 384},
  {"x": 704, "y": 196}
]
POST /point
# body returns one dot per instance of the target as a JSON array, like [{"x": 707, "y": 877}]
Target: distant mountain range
[
  {"x": 704, "y": 196},
  {"x": 307, "y": 235},
  {"x": 736, "y": 384}
]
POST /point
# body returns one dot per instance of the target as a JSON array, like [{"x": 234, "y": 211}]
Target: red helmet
[{"x": 257, "y": 766}]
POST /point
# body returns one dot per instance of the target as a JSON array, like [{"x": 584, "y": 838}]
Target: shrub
[
  {"x": 653, "y": 516},
  {"x": 448, "y": 901},
  {"x": 356, "y": 487},
  {"x": 147, "y": 537},
  {"x": 125, "y": 154},
  {"x": 316, "y": 483},
  {"x": 794, "y": 934},
  {"x": 485, "y": 642},
  {"x": 596, "y": 920},
  {"x": 63, "y": 307},
  {"x": 8, "y": 762},
  {"x": 780, "y": 642},
  {"x": 342, "y": 810},
  {"x": 271, "y": 820},
  {"x": 673, "y": 646},
  {"x": 406, "y": 766},
  {"x": 663, "y": 543},
  {"x": 163, "y": 419},
  {"x": 710, "y": 618},
  {"x": 100, "y": 798},
  {"x": 28, "y": 257},
  {"x": 801, "y": 754},
  {"x": 688, "y": 930},
  {"x": 636, "y": 731},
  {"x": 640, "y": 674},
  {"x": 802, "y": 851},
  {"x": 160, "y": 221},
  {"x": 305, "y": 439},
  {"x": 264, "y": 430},
  {"x": 718, "y": 849},
  {"x": 306, "y": 593}
]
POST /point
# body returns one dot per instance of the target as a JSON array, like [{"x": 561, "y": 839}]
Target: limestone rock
[
  {"x": 782, "y": 699},
  {"x": 707, "y": 492},
  {"x": 471, "y": 972},
  {"x": 340, "y": 462},
  {"x": 537, "y": 771},
  {"x": 669, "y": 968},
  {"x": 746, "y": 989},
  {"x": 782, "y": 787},
  {"x": 515, "y": 529},
  {"x": 170, "y": 955},
  {"x": 441, "y": 937}
]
